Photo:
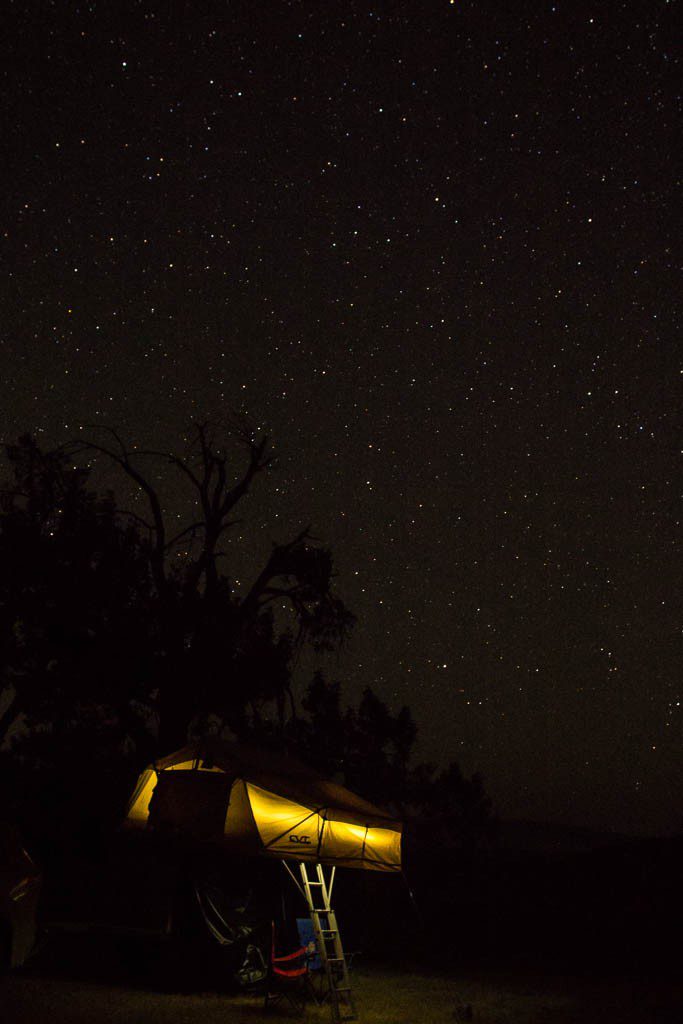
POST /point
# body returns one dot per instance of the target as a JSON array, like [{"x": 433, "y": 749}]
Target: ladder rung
[{"x": 329, "y": 942}]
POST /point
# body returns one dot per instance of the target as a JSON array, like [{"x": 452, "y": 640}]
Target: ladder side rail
[{"x": 328, "y": 941}]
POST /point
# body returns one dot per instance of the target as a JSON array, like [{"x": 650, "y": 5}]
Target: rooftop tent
[{"x": 258, "y": 802}]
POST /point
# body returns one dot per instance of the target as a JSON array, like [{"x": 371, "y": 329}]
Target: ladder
[{"x": 318, "y": 893}]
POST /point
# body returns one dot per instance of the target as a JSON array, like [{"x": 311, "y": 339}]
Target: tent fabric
[{"x": 259, "y": 802}]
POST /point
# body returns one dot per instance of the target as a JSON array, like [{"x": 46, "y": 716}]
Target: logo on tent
[{"x": 300, "y": 839}]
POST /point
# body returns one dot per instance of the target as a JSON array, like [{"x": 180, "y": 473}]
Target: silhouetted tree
[
  {"x": 201, "y": 648},
  {"x": 370, "y": 749},
  {"x": 104, "y": 631},
  {"x": 450, "y": 809},
  {"x": 74, "y": 593}
]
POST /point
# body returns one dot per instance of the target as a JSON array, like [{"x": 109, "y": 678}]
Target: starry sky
[{"x": 429, "y": 247}]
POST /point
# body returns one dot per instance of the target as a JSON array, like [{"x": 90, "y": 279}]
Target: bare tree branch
[
  {"x": 184, "y": 468},
  {"x": 192, "y": 528},
  {"x": 274, "y": 567},
  {"x": 258, "y": 461},
  {"x": 9, "y": 715},
  {"x": 123, "y": 460},
  {"x": 136, "y": 518}
]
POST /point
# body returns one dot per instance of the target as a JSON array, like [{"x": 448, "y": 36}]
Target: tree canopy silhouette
[
  {"x": 97, "y": 610},
  {"x": 111, "y": 644},
  {"x": 371, "y": 750},
  {"x": 74, "y": 595}
]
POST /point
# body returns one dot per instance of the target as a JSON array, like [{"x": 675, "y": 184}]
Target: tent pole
[{"x": 293, "y": 877}]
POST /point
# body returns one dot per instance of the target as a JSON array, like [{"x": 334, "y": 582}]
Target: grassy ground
[{"x": 90, "y": 990}]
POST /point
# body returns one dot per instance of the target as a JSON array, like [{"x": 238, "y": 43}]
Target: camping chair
[
  {"x": 288, "y": 977},
  {"x": 318, "y": 981}
]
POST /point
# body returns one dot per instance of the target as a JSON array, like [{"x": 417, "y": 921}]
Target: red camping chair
[{"x": 288, "y": 977}]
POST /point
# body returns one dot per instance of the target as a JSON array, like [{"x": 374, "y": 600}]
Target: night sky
[{"x": 429, "y": 247}]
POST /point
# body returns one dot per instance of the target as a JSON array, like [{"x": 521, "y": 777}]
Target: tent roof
[{"x": 284, "y": 775}]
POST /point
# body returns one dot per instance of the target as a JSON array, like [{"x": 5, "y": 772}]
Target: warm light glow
[
  {"x": 383, "y": 846},
  {"x": 378, "y": 846},
  {"x": 288, "y": 829},
  {"x": 285, "y": 828},
  {"x": 138, "y": 810}
]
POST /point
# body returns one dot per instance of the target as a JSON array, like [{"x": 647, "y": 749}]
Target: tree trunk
[
  {"x": 177, "y": 701},
  {"x": 175, "y": 715},
  {"x": 8, "y": 716}
]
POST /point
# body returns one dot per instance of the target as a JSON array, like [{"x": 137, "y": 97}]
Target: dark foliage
[
  {"x": 369, "y": 749},
  {"x": 113, "y": 649},
  {"x": 75, "y": 630},
  {"x": 100, "y": 624}
]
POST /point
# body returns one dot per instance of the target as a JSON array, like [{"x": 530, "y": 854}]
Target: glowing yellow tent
[{"x": 258, "y": 802}]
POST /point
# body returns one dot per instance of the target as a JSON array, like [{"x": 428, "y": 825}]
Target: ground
[{"x": 88, "y": 982}]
